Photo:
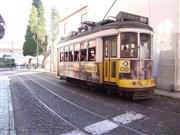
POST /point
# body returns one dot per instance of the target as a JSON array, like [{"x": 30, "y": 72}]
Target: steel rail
[
  {"x": 137, "y": 103},
  {"x": 54, "y": 112},
  {"x": 84, "y": 109}
]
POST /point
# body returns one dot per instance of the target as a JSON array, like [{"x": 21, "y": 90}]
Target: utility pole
[
  {"x": 12, "y": 47},
  {"x": 37, "y": 54},
  {"x": 109, "y": 9},
  {"x": 37, "y": 48}
]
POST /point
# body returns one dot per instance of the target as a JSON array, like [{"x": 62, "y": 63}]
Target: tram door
[{"x": 110, "y": 55}]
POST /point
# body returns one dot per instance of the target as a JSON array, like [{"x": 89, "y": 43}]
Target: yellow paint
[
  {"x": 101, "y": 72},
  {"x": 136, "y": 83},
  {"x": 113, "y": 79},
  {"x": 106, "y": 70}
]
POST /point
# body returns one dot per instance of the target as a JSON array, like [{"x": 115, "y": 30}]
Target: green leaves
[
  {"x": 55, "y": 17},
  {"x": 36, "y": 31},
  {"x": 33, "y": 20},
  {"x": 29, "y": 46}
]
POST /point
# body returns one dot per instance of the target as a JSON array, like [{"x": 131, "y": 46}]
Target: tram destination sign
[{"x": 124, "y": 16}]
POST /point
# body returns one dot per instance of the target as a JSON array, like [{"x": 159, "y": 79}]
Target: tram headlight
[
  {"x": 139, "y": 83},
  {"x": 134, "y": 83},
  {"x": 152, "y": 82}
]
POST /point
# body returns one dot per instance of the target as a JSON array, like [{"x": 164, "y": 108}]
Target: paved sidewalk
[
  {"x": 169, "y": 94},
  {"x": 6, "y": 108}
]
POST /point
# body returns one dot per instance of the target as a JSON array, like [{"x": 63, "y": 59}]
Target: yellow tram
[{"x": 114, "y": 53}]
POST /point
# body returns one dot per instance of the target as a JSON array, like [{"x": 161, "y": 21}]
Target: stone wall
[
  {"x": 177, "y": 83},
  {"x": 168, "y": 76},
  {"x": 177, "y": 69}
]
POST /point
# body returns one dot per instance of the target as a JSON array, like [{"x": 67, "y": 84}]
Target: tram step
[{"x": 143, "y": 94}]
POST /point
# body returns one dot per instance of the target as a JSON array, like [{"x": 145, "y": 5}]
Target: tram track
[
  {"x": 77, "y": 106},
  {"x": 53, "y": 111},
  {"x": 82, "y": 93},
  {"x": 145, "y": 103}
]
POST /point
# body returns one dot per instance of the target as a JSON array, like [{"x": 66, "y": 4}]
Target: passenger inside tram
[
  {"x": 70, "y": 56},
  {"x": 92, "y": 54},
  {"x": 125, "y": 50},
  {"x": 83, "y": 55},
  {"x": 93, "y": 58},
  {"x": 66, "y": 56},
  {"x": 144, "y": 52},
  {"x": 76, "y": 56}
]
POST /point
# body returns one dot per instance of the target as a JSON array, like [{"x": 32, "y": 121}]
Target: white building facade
[{"x": 164, "y": 19}]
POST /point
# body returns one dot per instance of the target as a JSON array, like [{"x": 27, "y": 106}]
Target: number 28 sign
[{"x": 124, "y": 66}]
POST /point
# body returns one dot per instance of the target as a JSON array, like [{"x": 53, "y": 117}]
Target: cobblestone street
[
  {"x": 84, "y": 67},
  {"x": 44, "y": 105}
]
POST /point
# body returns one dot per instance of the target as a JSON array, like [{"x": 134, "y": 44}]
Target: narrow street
[
  {"x": 106, "y": 50},
  {"x": 45, "y": 105}
]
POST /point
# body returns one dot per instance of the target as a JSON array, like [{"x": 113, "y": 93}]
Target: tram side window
[
  {"x": 61, "y": 56},
  {"x": 129, "y": 45},
  {"x": 92, "y": 50},
  {"x": 145, "y": 46},
  {"x": 66, "y": 56},
  {"x": 76, "y": 52},
  {"x": 114, "y": 47},
  {"x": 92, "y": 54},
  {"x": 76, "y": 55},
  {"x": 106, "y": 50},
  {"x": 70, "y": 56},
  {"x": 83, "y": 55}
]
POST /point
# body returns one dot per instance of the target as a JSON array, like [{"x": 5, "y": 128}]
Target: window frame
[
  {"x": 61, "y": 54},
  {"x": 126, "y": 43},
  {"x": 106, "y": 48},
  {"x": 91, "y": 47},
  {"x": 111, "y": 47},
  {"x": 148, "y": 47}
]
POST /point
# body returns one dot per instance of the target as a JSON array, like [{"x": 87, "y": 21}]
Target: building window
[
  {"x": 84, "y": 17},
  {"x": 65, "y": 28}
]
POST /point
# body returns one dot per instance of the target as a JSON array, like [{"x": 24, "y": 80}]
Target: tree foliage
[
  {"x": 37, "y": 3},
  {"x": 37, "y": 30},
  {"x": 29, "y": 47},
  {"x": 54, "y": 31},
  {"x": 37, "y": 24},
  {"x": 33, "y": 20}
]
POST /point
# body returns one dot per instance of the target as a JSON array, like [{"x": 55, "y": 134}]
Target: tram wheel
[{"x": 110, "y": 92}]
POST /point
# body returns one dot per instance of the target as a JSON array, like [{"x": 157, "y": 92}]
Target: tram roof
[{"x": 100, "y": 26}]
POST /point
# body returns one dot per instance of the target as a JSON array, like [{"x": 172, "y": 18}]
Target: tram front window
[
  {"x": 145, "y": 46},
  {"x": 129, "y": 45}
]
